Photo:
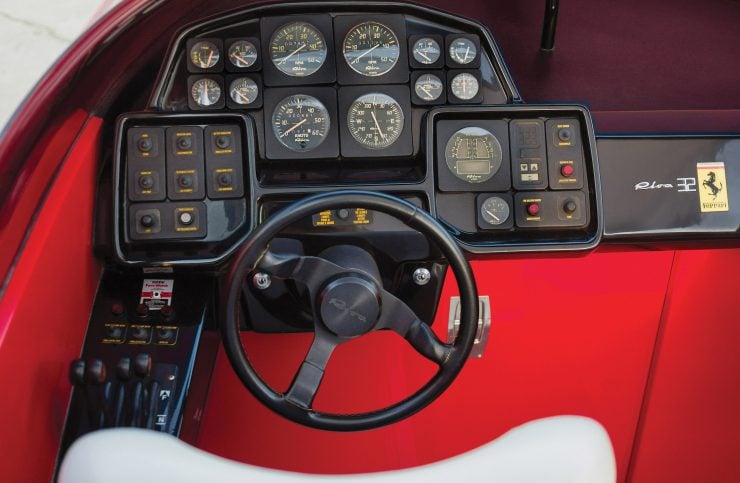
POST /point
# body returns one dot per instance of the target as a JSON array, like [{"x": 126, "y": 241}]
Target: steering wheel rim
[{"x": 255, "y": 249}]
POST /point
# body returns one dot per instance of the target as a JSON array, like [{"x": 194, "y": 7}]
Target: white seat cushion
[{"x": 562, "y": 449}]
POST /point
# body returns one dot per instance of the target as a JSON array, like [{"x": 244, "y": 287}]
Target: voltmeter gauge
[
  {"x": 473, "y": 154},
  {"x": 298, "y": 49},
  {"x": 300, "y": 122},
  {"x": 205, "y": 92},
  {"x": 242, "y": 54},
  {"x": 494, "y": 211},
  {"x": 204, "y": 54},
  {"x": 426, "y": 51},
  {"x": 371, "y": 49},
  {"x": 243, "y": 90}
]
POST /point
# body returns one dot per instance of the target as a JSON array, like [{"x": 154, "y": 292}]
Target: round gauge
[
  {"x": 426, "y": 51},
  {"x": 243, "y": 90},
  {"x": 242, "y": 54},
  {"x": 300, "y": 122},
  {"x": 375, "y": 120},
  {"x": 204, "y": 54},
  {"x": 428, "y": 87},
  {"x": 371, "y": 49},
  {"x": 464, "y": 86},
  {"x": 463, "y": 51},
  {"x": 298, "y": 49},
  {"x": 494, "y": 210},
  {"x": 205, "y": 92},
  {"x": 473, "y": 154}
]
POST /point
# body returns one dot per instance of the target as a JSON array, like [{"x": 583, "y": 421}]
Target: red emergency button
[
  {"x": 567, "y": 170},
  {"x": 533, "y": 209}
]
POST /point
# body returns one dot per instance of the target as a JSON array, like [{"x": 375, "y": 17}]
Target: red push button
[
  {"x": 567, "y": 170},
  {"x": 533, "y": 209}
]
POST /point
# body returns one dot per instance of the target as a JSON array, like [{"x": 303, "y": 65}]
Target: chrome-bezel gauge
[
  {"x": 463, "y": 51},
  {"x": 204, "y": 54},
  {"x": 464, "y": 86},
  {"x": 244, "y": 91},
  {"x": 473, "y": 154},
  {"x": 298, "y": 49},
  {"x": 426, "y": 51},
  {"x": 301, "y": 122},
  {"x": 371, "y": 49},
  {"x": 495, "y": 211},
  {"x": 428, "y": 87},
  {"x": 375, "y": 120},
  {"x": 243, "y": 54},
  {"x": 205, "y": 92}
]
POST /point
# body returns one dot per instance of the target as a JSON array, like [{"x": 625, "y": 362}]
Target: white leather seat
[{"x": 562, "y": 449}]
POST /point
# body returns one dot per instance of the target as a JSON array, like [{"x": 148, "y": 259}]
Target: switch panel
[
  {"x": 157, "y": 221},
  {"x": 224, "y": 162},
  {"x": 145, "y": 161},
  {"x": 185, "y": 170},
  {"x": 551, "y": 209},
  {"x": 565, "y": 154},
  {"x": 528, "y": 154}
]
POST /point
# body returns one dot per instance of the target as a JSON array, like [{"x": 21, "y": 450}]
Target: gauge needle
[
  {"x": 291, "y": 129},
  {"x": 426, "y": 91},
  {"x": 204, "y": 97},
  {"x": 242, "y": 96},
  {"x": 423, "y": 55},
  {"x": 493, "y": 216},
  {"x": 237, "y": 57},
  {"x": 210, "y": 56},
  {"x": 365, "y": 53},
  {"x": 292, "y": 54},
  {"x": 377, "y": 126},
  {"x": 467, "y": 51}
]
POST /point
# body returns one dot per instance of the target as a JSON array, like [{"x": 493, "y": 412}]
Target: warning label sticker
[
  {"x": 713, "y": 187},
  {"x": 156, "y": 293}
]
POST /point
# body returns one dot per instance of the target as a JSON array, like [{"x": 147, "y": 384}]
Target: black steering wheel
[{"x": 347, "y": 303}]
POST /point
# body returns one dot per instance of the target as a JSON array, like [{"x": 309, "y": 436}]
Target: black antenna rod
[{"x": 549, "y": 25}]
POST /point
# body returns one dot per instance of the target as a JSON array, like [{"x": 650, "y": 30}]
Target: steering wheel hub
[{"x": 349, "y": 306}]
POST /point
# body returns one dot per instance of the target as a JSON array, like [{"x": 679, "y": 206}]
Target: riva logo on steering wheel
[{"x": 340, "y": 304}]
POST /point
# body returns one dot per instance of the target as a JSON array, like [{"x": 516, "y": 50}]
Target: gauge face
[
  {"x": 300, "y": 122},
  {"x": 204, "y": 54},
  {"x": 426, "y": 51},
  {"x": 205, "y": 92},
  {"x": 371, "y": 49},
  {"x": 242, "y": 54},
  {"x": 494, "y": 210},
  {"x": 298, "y": 49},
  {"x": 428, "y": 87},
  {"x": 464, "y": 86},
  {"x": 463, "y": 51},
  {"x": 243, "y": 90},
  {"x": 375, "y": 120},
  {"x": 473, "y": 154}
]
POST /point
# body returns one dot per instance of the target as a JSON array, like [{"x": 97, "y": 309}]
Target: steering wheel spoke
[
  {"x": 308, "y": 379},
  {"x": 309, "y": 271},
  {"x": 398, "y": 317}
]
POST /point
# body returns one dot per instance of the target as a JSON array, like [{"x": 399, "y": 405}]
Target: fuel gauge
[
  {"x": 428, "y": 88},
  {"x": 243, "y": 91}
]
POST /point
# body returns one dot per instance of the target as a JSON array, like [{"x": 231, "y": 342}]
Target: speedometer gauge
[
  {"x": 298, "y": 49},
  {"x": 375, "y": 120},
  {"x": 473, "y": 154},
  {"x": 300, "y": 122},
  {"x": 371, "y": 49}
]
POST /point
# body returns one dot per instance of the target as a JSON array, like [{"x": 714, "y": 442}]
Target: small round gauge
[
  {"x": 494, "y": 210},
  {"x": 371, "y": 49},
  {"x": 473, "y": 154},
  {"x": 426, "y": 51},
  {"x": 205, "y": 92},
  {"x": 242, "y": 54},
  {"x": 375, "y": 120},
  {"x": 298, "y": 49},
  {"x": 300, "y": 122},
  {"x": 463, "y": 51},
  {"x": 204, "y": 54},
  {"x": 243, "y": 90},
  {"x": 464, "y": 86},
  {"x": 428, "y": 87}
]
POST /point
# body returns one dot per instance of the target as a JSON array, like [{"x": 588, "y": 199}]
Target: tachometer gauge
[
  {"x": 464, "y": 86},
  {"x": 426, "y": 51},
  {"x": 473, "y": 154},
  {"x": 204, "y": 54},
  {"x": 375, "y": 120},
  {"x": 205, "y": 92},
  {"x": 300, "y": 122},
  {"x": 371, "y": 49},
  {"x": 494, "y": 211},
  {"x": 298, "y": 49},
  {"x": 463, "y": 51},
  {"x": 428, "y": 87},
  {"x": 243, "y": 90},
  {"x": 242, "y": 54}
]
